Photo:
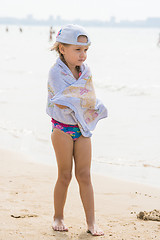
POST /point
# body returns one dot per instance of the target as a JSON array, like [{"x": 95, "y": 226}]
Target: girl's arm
[{"x": 61, "y": 106}]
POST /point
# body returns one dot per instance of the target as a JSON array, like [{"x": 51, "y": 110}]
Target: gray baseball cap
[{"x": 70, "y": 33}]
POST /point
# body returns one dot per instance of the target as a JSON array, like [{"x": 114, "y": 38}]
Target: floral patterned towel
[{"x": 79, "y": 96}]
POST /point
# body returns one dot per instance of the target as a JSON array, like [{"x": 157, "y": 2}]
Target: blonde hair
[{"x": 55, "y": 47}]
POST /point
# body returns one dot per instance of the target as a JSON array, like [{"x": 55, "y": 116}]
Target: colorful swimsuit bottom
[{"x": 72, "y": 130}]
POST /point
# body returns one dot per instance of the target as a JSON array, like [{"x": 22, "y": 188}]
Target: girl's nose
[{"x": 82, "y": 54}]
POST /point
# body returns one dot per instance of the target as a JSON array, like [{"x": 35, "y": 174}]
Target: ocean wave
[
  {"x": 20, "y": 133},
  {"x": 41, "y": 138},
  {"x": 125, "y": 162},
  {"x": 9, "y": 58},
  {"x": 134, "y": 90}
]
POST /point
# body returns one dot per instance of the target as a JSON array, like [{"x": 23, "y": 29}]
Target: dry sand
[{"x": 26, "y": 204}]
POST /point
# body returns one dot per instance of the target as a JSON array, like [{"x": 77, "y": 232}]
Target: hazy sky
[{"x": 82, "y": 9}]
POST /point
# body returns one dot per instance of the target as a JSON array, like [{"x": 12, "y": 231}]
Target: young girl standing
[{"x": 75, "y": 111}]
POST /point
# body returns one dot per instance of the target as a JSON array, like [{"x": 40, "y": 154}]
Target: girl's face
[{"x": 74, "y": 55}]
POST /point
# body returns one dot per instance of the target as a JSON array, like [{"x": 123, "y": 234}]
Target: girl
[{"x": 74, "y": 110}]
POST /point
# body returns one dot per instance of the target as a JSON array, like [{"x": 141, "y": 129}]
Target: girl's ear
[{"x": 61, "y": 48}]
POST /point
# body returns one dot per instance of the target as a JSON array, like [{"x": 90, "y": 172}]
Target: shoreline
[
  {"x": 131, "y": 174},
  {"x": 27, "y": 204},
  {"x": 44, "y": 154}
]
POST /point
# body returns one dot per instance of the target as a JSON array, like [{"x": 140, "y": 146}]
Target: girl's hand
[{"x": 61, "y": 106}]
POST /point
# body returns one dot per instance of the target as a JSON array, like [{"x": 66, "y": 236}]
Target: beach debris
[
  {"x": 152, "y": 215},
  {"x": 23, "y": 215}
]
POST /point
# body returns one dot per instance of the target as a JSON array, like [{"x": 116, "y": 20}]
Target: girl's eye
[{"x": 78, "y": 49}]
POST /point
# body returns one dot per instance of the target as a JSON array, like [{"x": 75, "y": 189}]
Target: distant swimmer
[
  {"x": 7, "y": 29},
  {"x": 50, "y": 33},
  {"x": 158, "y": 43},
  {"x": 20, "y": 29}
]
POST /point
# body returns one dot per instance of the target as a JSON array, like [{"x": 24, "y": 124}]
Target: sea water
[{"x": 125, "y": 64}]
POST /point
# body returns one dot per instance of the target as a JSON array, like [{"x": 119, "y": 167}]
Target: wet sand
[{"x": 26, "y": 204}]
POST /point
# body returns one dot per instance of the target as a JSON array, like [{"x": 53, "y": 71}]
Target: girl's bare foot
[
  {"x": 95, "y": 230},
  {"x": 58, "y": 225}
]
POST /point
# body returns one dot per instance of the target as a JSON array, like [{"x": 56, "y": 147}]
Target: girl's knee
[
  {"x": 65, "y": 178},
  {"x": 83, "y": 176}
]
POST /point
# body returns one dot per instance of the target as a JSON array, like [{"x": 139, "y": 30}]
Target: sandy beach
[{"x": 26, "y": 204}]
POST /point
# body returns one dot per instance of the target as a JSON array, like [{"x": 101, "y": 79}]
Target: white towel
[{"x": 78, "y": 95}]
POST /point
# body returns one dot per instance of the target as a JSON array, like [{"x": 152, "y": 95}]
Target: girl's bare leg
[
  {"x": 82, "y": 158},
  {"x": 63, "y": 146}
]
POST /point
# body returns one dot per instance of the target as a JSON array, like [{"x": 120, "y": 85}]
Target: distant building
[
  {"x": 150, "y": 22},
  {"x": 153, "y": 22}
]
